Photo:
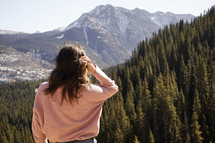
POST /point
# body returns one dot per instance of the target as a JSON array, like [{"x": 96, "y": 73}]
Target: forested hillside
[
  {"x": 16, "y": 108},
  {"x": 166, "y": 91}
]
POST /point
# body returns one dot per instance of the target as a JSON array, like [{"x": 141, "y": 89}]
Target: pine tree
[
  {"x": 196, "y": 103},
  {"x": 118, "y": 134},
  {"x": 147, "y": 99},
  {"x": 140, "y": 129},
  {"x": 211, "y": 100},
  {"x": 204, "y": 129},
  {"x": 122, "y": 119},
  {"x": 150, "y": 137},
  {"x": 129, "y": 103},
  {"x": 195, "y": 132},
  {"x": 166, "y": 119},
  {"x": 135, "y": 139},
  {"x": 187, "y": 140}
]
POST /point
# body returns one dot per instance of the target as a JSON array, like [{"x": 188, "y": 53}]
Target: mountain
[
  {"x": 107, "y": 33},
  {"x": 127, "y": 26},
  {"x": 15, "y": 66}
]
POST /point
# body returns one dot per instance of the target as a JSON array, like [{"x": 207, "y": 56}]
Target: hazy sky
[{"x": 44, "y": 15}]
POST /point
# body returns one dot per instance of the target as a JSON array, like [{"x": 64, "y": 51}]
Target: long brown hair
[{"x": 70, "y": 73}]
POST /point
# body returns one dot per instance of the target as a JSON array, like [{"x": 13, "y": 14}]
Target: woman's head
[
  {"x": 70, "y": 72},
  {"x": 67, "y": 61}
]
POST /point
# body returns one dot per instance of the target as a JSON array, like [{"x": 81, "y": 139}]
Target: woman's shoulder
[
  {"x": 41, "y": 87},
  {"x": 44, "y": 85},
  {"x": 39, "y": 98}
]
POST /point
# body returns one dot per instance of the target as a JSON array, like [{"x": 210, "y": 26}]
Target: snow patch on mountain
[
  {"x": 85, "y": 35},
  {"x": 60, "y": 37},
  {"x": 60, "y": 29},
  {"x": 74, "y": 24},
  {"x": 9, "y": 32},
  {"x": 122, "y": 21}
]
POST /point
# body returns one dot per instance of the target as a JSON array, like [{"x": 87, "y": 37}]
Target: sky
[{"x": 44, "y": 15}]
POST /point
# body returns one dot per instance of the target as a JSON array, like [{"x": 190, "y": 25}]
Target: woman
[{"x": 68, "y": 107}]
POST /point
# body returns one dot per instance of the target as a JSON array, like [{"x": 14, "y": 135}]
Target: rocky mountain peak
[{"x": 107, "y": 33}]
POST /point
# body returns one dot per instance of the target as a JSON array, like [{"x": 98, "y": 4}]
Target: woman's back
[{"x": 67, "y": 122}]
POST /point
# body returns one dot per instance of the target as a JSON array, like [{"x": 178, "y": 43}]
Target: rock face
[{"x": 108, "y": 34}]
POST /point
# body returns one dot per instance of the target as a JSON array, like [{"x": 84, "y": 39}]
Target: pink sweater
[{"x": 68, "y": 122}]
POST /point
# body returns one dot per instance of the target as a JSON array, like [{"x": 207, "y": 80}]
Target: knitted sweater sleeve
[
  {"x": 37, "y": 118},
  {"x": 104, "y": 90}
]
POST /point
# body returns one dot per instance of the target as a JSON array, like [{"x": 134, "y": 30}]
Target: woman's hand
[{"x": 90, "y": 67}]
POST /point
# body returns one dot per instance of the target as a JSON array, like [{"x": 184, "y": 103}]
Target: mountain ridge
[{"x": 108, "y": 34}]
